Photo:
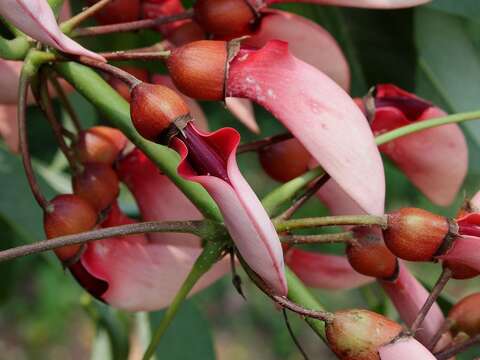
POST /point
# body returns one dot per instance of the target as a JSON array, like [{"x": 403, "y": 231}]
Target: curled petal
[
  {"x": 242, "y": 109},
  {"x": 307, "y": 41},
  {"x": 155, "y": 193},
  {"x": 195, "y": 109},
  {"x": 36, "y": 19},
  {"x": 408, "y": 296},
  {"x": 435, "y": 160},
  {"x": 324, "y": 271},
  {"x": 405, "y": 348},
  {"x": 140, "y": 275},
  {"x": 245, "y": 218},
  {"x": 9, "y": 127},
  {"x": 464, "y": 250},
  {"x": 372, "y": 4},
  {"x": 318, "y": 113}
]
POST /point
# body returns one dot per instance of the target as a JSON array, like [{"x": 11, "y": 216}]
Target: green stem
[
  {"x": 287, "y": 191},
  {"x": 426, "y": 124},
  {"x": 298, "y": 293},
  {"x": 210, "y": 254},
  {"x": 69, "y": 25},
  {"x": 341, "y": 237},
  {"x": 14, "y": 49},
  {"x": 362, "y": 220},
  {"x": 117, "y": 110}
]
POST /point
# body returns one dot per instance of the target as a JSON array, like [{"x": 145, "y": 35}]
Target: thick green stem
[
  {"x": 298, "y": 293},
  {"x": 117, "y": 110},
  {"x": 287, "y": 191},
  {"x": 210, "y": 254},
  {"x": 361, "y": 220},
  {"x": 14, "y": 49},
  {"x": 426, "y": 124}
]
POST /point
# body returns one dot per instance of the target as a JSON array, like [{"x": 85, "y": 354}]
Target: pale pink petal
[
  {"x": 435, "y": 160},
  {"x": 324, "y": 271},
  {"x": 242, "y": 109},
  {"x": 405, "y": 348},
  {"x": 464, "y": 250},
  {"x": 337, "y": 201},
  {"x": 408, "y": 296},
  {"x": 36, "y": 19},
  {"x": 155, "y": 193},
  {"x": 372, "y": 4},
  {"x": 9, "y": 127},
  {"x": 195, "y": 109},
  {"x": 143, "y": 275},
  {"x": 307, "y": 41},
  {"x": 318, "y": 113},
  {"x": 244, "y": 216}
]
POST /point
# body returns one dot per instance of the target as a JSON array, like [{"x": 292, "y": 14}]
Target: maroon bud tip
[
  {"x": 198, "y": 69},
  {"x": 68, "y": 214},
  {"x": 100, "y": 144},
  {"x": 225, "y": 18},
  {"x": 415, "y": 234},
  {"x": 358, "y": 334},
  {"x": 285, "y": 160},
  {"x": 98, "y": 184},
  {"x": 154, "y": 108},
  {"x": 465, "y": 315}
]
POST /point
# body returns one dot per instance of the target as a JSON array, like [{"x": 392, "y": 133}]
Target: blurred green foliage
[{"x": 432, "y": 50}]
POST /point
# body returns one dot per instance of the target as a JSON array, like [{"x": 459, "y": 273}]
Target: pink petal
[
  {"x": 475, "y": 202},
  {"x": 405, "y": 348},
  {"x": 408, "y": 296},
  {"x": 9, "y": 127},
  {"x": 307, "y": 41},
  {"x": 373, "y": 4},
  {"x": 36, "y": 19},
  {"x": 324, "y": 271},
  {"x": 336, "y": 200},
  {"x": 464, "y": 250},
  {"x": 318, "y": 113},
  {"x": 152, "y": 9},
  {"x": 10, "y": 75},
  {"x": 435, "y": 160},
  {"x": 155, "y": 193},
  {"x": 195, "y": 109},
  {"x": 143, "y": 275},
  {"x": 242, "y": 109},
  {"x": 245, "y": 218}
]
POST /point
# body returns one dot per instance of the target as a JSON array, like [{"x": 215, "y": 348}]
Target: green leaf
[
  {"x": 17, "y": 204},
  {"x": 467, "y": 8},
  {"x": 188, "y": 337}
]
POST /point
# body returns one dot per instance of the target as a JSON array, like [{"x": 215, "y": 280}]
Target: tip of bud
[
  {"x": 415, "y": 234},
  {"x": 465, "y": 315},
  {"x": 199, "y": 69},
  {"x": 358, "y": 334},
  {"x": 154, "y": 108}
]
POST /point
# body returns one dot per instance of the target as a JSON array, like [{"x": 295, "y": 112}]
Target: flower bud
[
  {"x": 465, "y": 315},
  {"x": 100, "y": 144},
  {"x": 416, "y": 235},
  {"x": 285, "y": 160},
  {"x": 358, "y": 334},
  {"x": 369, "y": 256},
  {"x": 154, "y": 108},
  {"x": 186, "y": 33},
  {"x": 460, "y": 271},
  {"x": 122, "y": 88},
  {"x": 98, "y": 184},
  {"x": 225, "y": 18},
  {"x": 117, "y": 11},
  {"x": 68, "y": 214},
  {"x": 199, "y": 69}
]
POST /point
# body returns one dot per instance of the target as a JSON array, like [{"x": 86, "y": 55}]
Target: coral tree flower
[
  {"x": 144, "y": 272},
  {"x": 318, "y": 113},
  {"x": 436, "y": 159},
  {"x": 36, "y": 19},
  {"x": 245, "y": 218}
]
